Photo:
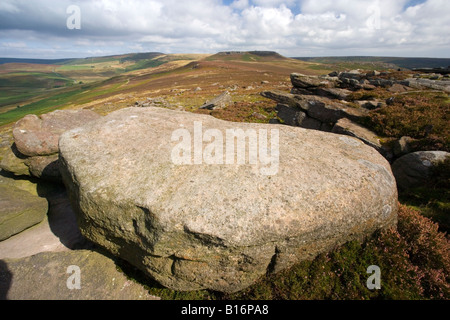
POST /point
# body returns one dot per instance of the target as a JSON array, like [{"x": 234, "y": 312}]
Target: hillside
[{"x": 106, "y": 83}]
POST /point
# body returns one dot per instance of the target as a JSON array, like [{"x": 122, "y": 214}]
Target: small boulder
[
  {"x": 220, "y": 102},
  {"x": 397, "y": 88},
  {"x": 259, "y": 116},
  {"x": 333, "y": 74},
  {"x": 11, "y": 160},
  {"x": 416, "y": 169},
  {"x": 38, "y": 136}
]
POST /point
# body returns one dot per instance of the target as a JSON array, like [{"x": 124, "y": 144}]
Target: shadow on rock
[
  {"x": 5, "y": 280},
  {"x": 61, "y": 216}
]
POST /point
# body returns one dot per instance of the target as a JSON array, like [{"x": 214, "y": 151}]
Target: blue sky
[{"x": 38, "y": 29}]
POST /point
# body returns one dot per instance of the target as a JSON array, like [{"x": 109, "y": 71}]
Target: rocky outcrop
[
  {"x": 198, "y": 223},
  {"x": 35, "y": 148},
  {"x": 320, "y": 103},
  {"x": 416, "y": 169},
  {"x": 51, "y": 276}
]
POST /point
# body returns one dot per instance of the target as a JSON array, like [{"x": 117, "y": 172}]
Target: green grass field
[{"x": 40, "y": 107}]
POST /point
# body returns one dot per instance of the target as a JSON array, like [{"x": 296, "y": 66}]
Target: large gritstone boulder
[{"x": 198, "y": 202}]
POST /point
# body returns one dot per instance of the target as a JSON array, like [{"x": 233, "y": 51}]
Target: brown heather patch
[
  {"x": 420, "y": 115},
  {"x": 244, "y": 112},
  {"x": 414, "y": 260}
]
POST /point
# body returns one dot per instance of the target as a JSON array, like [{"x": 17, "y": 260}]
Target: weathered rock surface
[
  {"x": 46, "y": 276},
  {"x": 443, "y": 85},
  {"x": 303, "y": 81},
  {"x": 281, "y": 97},
  {"x": 19, "y": 210},
  {"x": 220, "y": 226},
  {"x": 12, "y": 161},
  {"x": 347, "y": 127},
  {"x": 330, "y": 111},
  {"x": 415, "y": 169},
  {"x": 36, "y": 136},
  {"x": 290, "y": 115},
  {"x": 220, "y": 102},
  {"x": 333, "y": 93}
]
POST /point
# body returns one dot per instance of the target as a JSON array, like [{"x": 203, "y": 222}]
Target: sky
[{"x": 52, "y": 29}]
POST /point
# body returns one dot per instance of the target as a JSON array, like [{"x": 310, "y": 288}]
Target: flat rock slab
[
  {"x": 329, "y": 111},
  {"x": 38, "y": 136},
  {"x": 304, "y": 81},
  {"x": 347, "y": 127},
  {"x": 19, "y": 210},
  {"x": 221, "y": 226},
  {"x": 47, "y": 276},
  {"x": 57, "y": 232}
]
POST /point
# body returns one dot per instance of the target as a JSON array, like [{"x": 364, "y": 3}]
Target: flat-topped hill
[{"x": 249, "y": 56}]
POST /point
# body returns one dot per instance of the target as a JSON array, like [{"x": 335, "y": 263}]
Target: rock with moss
[
  {"x": 53, "y": 276},
  {"x": 11, "y": 160},
  {"x": 19, "y": 210},
  {"x": 220, "y": 225}
]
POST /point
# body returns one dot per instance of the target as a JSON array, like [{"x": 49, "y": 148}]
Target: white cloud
[
  {"x": 326, "y": 27},
  {"x": 239, "y": 4},
  {"x": 14, "y": 44}
]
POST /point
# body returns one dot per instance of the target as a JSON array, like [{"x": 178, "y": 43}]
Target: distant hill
[
  {"x": 34, "y": 61},
  {"x": 381, "y": 62},
  {"x": 88, "y": 60},
  {"x": 248, "y": 56}
]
